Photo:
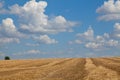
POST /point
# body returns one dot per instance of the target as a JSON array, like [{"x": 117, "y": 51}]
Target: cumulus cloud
[
  {"x": 98, "y": 42},
  {"x": 8, "y": 32},
  {"x": 93, "y": 45},
  {"x": 102, "y": 42},
  {"x": 99, "y": 45},
  {"x": 116, "y": 32},
  {"x": 8, "y": 29},
  {"x": 84, "y": 37},
  {"x": 45, "y": 39},
  {"x": 112, "y": 42},
  {"x": 110, "y": 10},
  {"x": 34, "y": 20},
  {"x": 88, "y": 35}
]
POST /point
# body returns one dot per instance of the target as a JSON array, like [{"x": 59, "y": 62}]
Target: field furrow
[
  {"x": 99, "y": 72},
  {"x": 61, "y": 69},
  {"x": 108, "y": 64},
  {"x": 72, "y": 70},
  {"x": 113, "y": 60}
]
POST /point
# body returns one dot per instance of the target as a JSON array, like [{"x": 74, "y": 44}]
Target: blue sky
[{"x": 59, "y": 28}]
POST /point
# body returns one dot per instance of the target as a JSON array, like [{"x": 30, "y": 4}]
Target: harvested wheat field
[{"x": 61, "y": 69}]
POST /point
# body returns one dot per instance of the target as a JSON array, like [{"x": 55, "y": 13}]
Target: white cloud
[
  {"x": 88, "y": 35},
  {"x": 116, "y": 32},
  {"x": 117, "y": 26},
  {"x": 100, "y": 38},
  {"x": 99, "y": 45},
  {"x": 45, "y": 39},
  {"x": 8, "y": 32},
  {"x": 34, "y": 20},
  {"x": 9, "y": 40},
  {"x": 110, "y": 6},
  {"x": 109, "y": 17},
  {"x": 102, "y": 42},
  {"x": 29, "y": 52},
  {"x": 8, "y": 28},
  {"x": 33, "y": 52},
  {"x": 93, "y": 45},
  {"x": 98, "y": 42},
  {"x": 106, "y": 35},
  {"x": 110, "y": 10},
  {"x": 78, "y": 41},
  {"x": 84, "y": 37},
  {"x": 33, "y": 45},
  {"x": 112, "y": 42}
]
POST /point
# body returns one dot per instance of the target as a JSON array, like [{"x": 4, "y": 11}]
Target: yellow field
[{"x": 61, "y": 69}]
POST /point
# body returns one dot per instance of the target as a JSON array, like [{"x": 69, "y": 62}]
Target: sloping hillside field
[{"x": 61, "y": 69}]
